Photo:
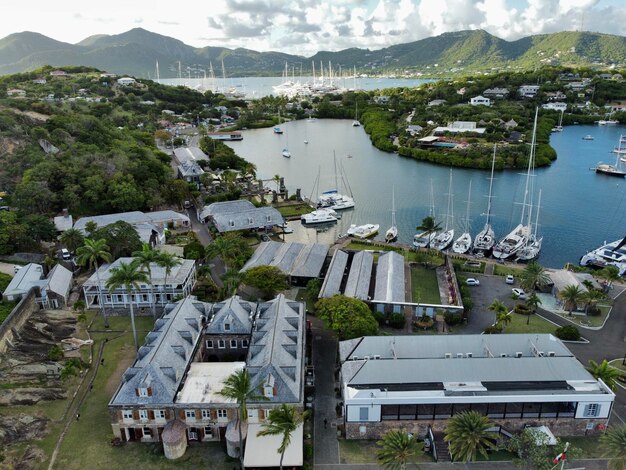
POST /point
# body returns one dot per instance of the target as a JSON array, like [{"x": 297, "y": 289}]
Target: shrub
[
  {"x": 493, "y": 330},
  {"x": 380, "y": 317},
  {"x": 522, "y": 309},
  {"x": 396, "y": 320},
  {"x": 452, "y": 318},
  {"x": 55, "y": 353},
  {"x": 567, "y": 333}
]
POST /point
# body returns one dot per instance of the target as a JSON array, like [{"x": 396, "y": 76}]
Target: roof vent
[
  {"x": 376, "y": 356},
  {"x": 541, "y": 354},
  {"x": 469, "y": 354},
  {"x": 502, "y": 354},
  {"x": 459, "y": 354},
  {"x": 367, "y": 358},
  {"x": 355, "y": 358},
  {"x": 551, "y": 354},
  {"x": 448, "y": 355},
  {"x": 519, "y": 354}
]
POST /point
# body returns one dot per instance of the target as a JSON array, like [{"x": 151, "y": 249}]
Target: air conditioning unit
[
  {"x": 376, "y": 356},
  {"x": 459, "y": 354},
  {"x": 502, "y": 354},
  {"x": 551, "y": 354},
  {"x": 541, "y": 354},
  {"x": 469, "y": 355},
  {"x": 519, "y": 354},
  {"x": 367, "y": 358},
  {"x": 448, "y": 355}
]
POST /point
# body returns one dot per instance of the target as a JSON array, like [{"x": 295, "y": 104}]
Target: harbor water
[{"x": 579, "y": 208}]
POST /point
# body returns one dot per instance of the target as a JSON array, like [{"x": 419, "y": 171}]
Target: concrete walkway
[{"x": 326, "y": 448}]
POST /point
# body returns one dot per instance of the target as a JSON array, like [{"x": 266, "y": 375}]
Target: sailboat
[
  {"x": 518, "y": 237},
  {"x": 533, "y": 246},
  {"x": 423, "y": 239},
  {"x": 464, "y": 242},
  {"x": 356, "y": 122},
  {"x": 392, "y": 234},
  {"x": 444, "y": 239},
  {"x": 559, "y": 128},
  {"x": 277, "y": 129},
  {"x": 486, "y": 238},
  {"x": 332, "y": 198},
  {"x": 620, "y": 150},
  {"x": 614, "y": 170},
  {"x": 286, "y": 153}
]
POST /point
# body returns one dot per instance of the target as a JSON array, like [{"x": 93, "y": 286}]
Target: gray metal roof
[
  {"x": 227, "y": 207},
  {"x": 334, "y": 275},
  {"x": 235, "y": 312},
  {"x": 259, "y": 217},
  {"x": 177, "y": 275},
  {"x": 277, "y": 349},
  {"x": 433, "y": 347},
  {"x": 60, "y": 281},
  {"x": 166, "y": 216},
  {"x": 190, "y": 168},
  {"x": 25, "y": 278},
  {"x": 133, "y": 218},
  {"x": 390, "y": 278},
  {"x": 184, "y": 154},
  {"x": 358, "y": 284},
  {"x": 162, "y": 360},
  {"x": 293, "y": 259},
  {"x": 63, "y": 222}
]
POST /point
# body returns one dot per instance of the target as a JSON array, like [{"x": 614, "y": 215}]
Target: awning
[{"x": 262, "y": 451}]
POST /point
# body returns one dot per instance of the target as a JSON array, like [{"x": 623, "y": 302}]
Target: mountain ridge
[{"x": 135, "y": 52}]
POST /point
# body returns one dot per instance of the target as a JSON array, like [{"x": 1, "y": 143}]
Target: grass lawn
[
  {"x": 5, "y": 279},
  {"x": 424, "y": 285},
  {"x": 589, "y": 445},
  {"x": 5, "y": 309},
  {"x": 536, "y": 325},
  {"x": 357, "y": 452},
  {"x": 294, "y": 210},
  {"x": 617, "y": 363},
  {"x": 504, "y": 270},
  {"x": 588, "y": 320},
  {"x": 411, "y": 256}
]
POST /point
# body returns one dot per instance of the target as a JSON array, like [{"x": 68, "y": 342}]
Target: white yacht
[
  {"x": 332, "y": 198},
  {"x": 319, "y": 216},
  {"x": 286, "y": 153},
  {"x": 464, "y": 242},
  {"x": 445, "y": 238},
  {"x": 392, "y": 233},
  {"x": 533, "y": 245},
  {"x": 363, "y": 231},
  {"x": 609, "y": 254},
  {"x": 486, "y": 238},
  {"x": 424, "y": 239}
]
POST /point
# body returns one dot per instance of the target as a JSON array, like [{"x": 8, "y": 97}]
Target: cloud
[{"x": 169, "y": 23}]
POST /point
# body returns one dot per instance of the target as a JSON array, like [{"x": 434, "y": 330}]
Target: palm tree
[
  {"x": 571, "y": 295},
  {"x": 89, "y": 254},
  {"x": 611, "y": 274},
  {"x": 168, "y": 261},
  {"x": 91, "y": 227},
  {"x": 467, "y": 436},
  {"x": 532, "y": 302},
  {"x": 145, "y": 259},
  {"x": 498, "y": 308},
  {"x": 534, "y": 275},
  {"x": 232, "y": 280},
  {"x": 283, "y": 420},
  {"x": 228, "y": 248},
  {"x": 428, "y": 226},
  {"x": 276, "y": 179},
  {"x": 396, "y": 449},
  {"x": 238, "y": 387},
  {"x": 503, "y": 318},
  {"x": 128, "y": 276},
  {"x": 613, "y": 445},
  {"x": 591, "y": 298},
  {"x": 71, "y": 239},
  {"x": 605, "y": 372}
]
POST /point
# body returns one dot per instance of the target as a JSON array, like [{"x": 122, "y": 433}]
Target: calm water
[
  {"x": 579, "y": 209},
  {"x": 257, "y": 87}
]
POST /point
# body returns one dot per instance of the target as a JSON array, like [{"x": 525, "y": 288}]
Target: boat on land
[
  {"x": 319, "y": 216},
  {"x": 533, "y": 245},
  {"x": 588, "y": 137},
  {"x": 486, "y": 238},
  {"x": 392, "y": 233},
  {"x": 423, "y": 239},
  {"x": 464, "y": 242},
  {"x": 518, "y": 237},
  {"x": 445, "y": 238},
  {"x": 363, "y": 231},
  {"x": 332, "y": 198},
  {"x": 609, "y": 254}
]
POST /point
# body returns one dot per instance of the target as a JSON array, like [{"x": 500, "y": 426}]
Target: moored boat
[
  {"x": 463, "y": 244},
  {"x": 319, "y": 216},
  {"x": 286, "y": 153},
  {"x": 392, "y": 233},
  {"x": 486, "y": 238},
  {"x": 445, "y": 238},
  {"x": 588, "y": 137},
  {"x": 609, "y": 254},
  {"x": 363, "y": 231},
  {"x": 609, "y": 170}
]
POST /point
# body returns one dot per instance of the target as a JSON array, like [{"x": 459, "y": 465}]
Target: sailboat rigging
[
  {"x": 444, "y": 239},
  {"x": 356, "y": 122},
  {"x": 464, "y": 242},
  {"x": 486, "y": 238},
  {"x": 392, "y": 233}
]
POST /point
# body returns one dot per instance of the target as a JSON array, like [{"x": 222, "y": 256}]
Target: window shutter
[
  {"x": 138, "y": 433},
  {"x": 150, "y": 414},
  {"x": 198, "y": 414},
  {"x": 168, "y": 414},
  {"x": 149, "y": 391},
  {"x": 135, "y": 414},
  {"x": 181, "y": 414},
  {"x": 137, "y": 392},
  {"x": 261, "y": 414},
  {"x": 119, "y": 414},
  {"x": 213, "y": 415}
]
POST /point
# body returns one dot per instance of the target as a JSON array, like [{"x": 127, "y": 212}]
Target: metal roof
[
  {"x": 234, "y": 311},
  {"x": 358, "y": 284},
  {"x": 60, "y": 281},
  {"x": 390, "y": 278},
  {"x": 63, "y": 222},
  {"x": 184, "y": 154},
  {"x": 262, "y": 451},
  {"x": 205, "y": 379},
  {"x": 190, "y": 168},
  {"x": 135, "y": 218},
  {"x": 293, "y": 259},
  {"x": 227, "y": 207},
  {"x": 177, "y": 275},
  {"x": 334, "y": 275},
  {"x": 276, "y": 350},
  {"x": 259, "y": 217},
  {"x": 25, "y": 278}
]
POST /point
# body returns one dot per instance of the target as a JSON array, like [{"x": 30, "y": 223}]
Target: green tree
[
  {"x": 128, "y": 276},
  {"x": 231, "y": 248},
  {"x": 503, "y": 319},
  {"x": 276, "y": 179},
  {"x": 346, "y": 316},
  {"x": 168, "y": 261},
  {"x": 605, "y": 372},
  {"x": 238, "y": 387},
  {"x": 232, "y": 280},
  {"x": 498, "y": 308},
  {"x": 145, "y": 258},
  {"x": 613, "y": 446},
  {"x": 591, "y": 299},
  {"x": 428, "y": 226},
  {"x": 534, "y": 275},
  {"x": 90, "y": 228},
  {"x": 533, "y": 450},
  {"x": 268, "y": 279},
  {"x": 571, "y": 295},
  {"x": 39, "y": 227},
  {"x": 72, "y": 239},
  {"x": 283, "y": 421},
  {"x": 121, "y": 237},
  {"x": 467, "y": 436},
  {"x": 610, "y": 274},
  {"x": 396, "y": 449},
  {"x": 89, "y": 255},
  {"x": 532, "y": 302}
]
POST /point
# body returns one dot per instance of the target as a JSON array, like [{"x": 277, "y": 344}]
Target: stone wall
[
  {"x": 16, "y": 319},
  {"x": 559, "y": 427}
]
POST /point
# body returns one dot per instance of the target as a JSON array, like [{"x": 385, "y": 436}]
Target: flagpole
[{"x": 565, "y": 455}]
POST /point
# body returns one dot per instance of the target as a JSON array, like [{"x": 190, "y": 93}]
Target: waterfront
[
  {"x": 580, "y": 209},
  {"x": 258, "y": 87}
]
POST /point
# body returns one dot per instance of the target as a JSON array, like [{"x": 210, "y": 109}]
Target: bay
[{"x": 579, "y": 208}]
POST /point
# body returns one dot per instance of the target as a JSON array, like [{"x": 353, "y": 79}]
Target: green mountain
[{"x": 137, "y": 51}]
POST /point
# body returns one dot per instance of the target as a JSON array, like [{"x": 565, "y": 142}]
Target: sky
[{"x": 306, "y": 26}]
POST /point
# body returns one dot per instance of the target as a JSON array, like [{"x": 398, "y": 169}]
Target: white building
[
  {"x": 458, "y": 127},
  {"x": 126, "y": 81},
  {"x": 528, "y": 91},
  {"x": 555, "y": 106},
  {"x": 415, "y": 383},
  {"x": 480, "y": 101},
  {"x": 165, "y": 287}
]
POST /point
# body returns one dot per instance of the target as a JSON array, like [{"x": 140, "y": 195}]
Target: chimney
[{"x": 66, "y": 213}]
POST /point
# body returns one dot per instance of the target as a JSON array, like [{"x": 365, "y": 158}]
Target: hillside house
[
  {"x": 126, "y": 81},
  {"x": 53, "y": 290},
  {"x": 496, "y": 92},
  {"x": 528, "y": 91},
  {"x": 190, "y": 171},
  {"x": 480, "y": 101}
]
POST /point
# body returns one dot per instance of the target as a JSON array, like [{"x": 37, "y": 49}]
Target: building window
[
  {"x": 268, "y": 218},
  {"x": 208, "y": 432},
  {"x": 363, "y": 413},
  {"x": 190, "y": 414},
  {"x": 206, "y": 414},
  {"x": 147, "y": 432},
  {"x": 226, "y": 326},
  {"x": 221, "y": 344},
  {"x": 159, "y": 414},
  {"x": 209, "y": 344},
  {"x": 244, "y": 343},
  {"x": 233, "y": 344},
  {"x": 222, "y": 413},
  {"x": 591, "y": 410},
  {"x": 127, "y": 414},
  {"x": 142, "y": 391},
  {"x": 118, "y": 298},
  {"x": 143, "y": 414}
]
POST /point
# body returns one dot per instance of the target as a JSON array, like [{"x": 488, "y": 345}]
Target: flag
[{"x": 559, "y": 458}]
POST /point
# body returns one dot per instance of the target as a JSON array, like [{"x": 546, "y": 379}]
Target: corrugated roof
[
  {"x": 166, "y": 216},
  {"x": 334, "y": 275},
  {"x": 60, "y": 281},
  {"x": 226, "y": 207},
  {"x": 63, "y": 223},
  {"x": 390, "y": 278},
  {"x": 256, "y": 218},
  {"x": 184, "y": 154},
  {"x": 190, "y": 168},
  {"x": 293, "y": 259},
  {"x": 25, "y": 278},
  {"x": 358, "y": 284},
  {"x": 133, "y": 218}
]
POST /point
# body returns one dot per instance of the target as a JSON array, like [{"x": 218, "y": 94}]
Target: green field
[
  {"x": 536, "y": 325},
  {"x": 424, "y": 286}
]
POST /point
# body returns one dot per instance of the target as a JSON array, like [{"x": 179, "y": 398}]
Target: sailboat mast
[
  {"x": 467, "y": 217},
  {"x": 335, "y": 161},
  {"x": 493, "y": 164},
  {"x": 537, "y": 215},
  {"x": 393, "y": 206},
  {"x": 449, "y": 202},
  {"x": 158, "y": 79},
  {"x": 530, "y": 165}
]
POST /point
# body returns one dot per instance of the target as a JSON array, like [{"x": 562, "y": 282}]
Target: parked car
[
  {"x": 472, "y": 282},
  {"x": 519, "y": 293},
  {"x": 510, "y": 279},
  {"x": 65, "y": 254}
]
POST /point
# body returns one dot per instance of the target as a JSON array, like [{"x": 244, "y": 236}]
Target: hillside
[{"x": 136, "y": 52}]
